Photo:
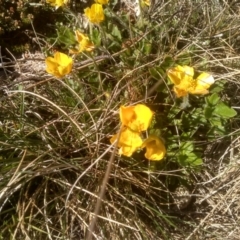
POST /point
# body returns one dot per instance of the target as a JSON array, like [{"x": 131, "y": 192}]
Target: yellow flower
[
  {"x": 57, "y": 3},
  {"x": 155, "y": 149},
  {"x": 59, "y": 65},
  {"x": 203, "y": 82},
  {"x": 102, "y": 1},
  {"x": 184, "y": 83},
  {"x": 137, "y": 118},
  {"x": 95, "y": 13},
  {"x": 129, "y": 142},
  {"x": 146, "y": 2},
  {"x": 84, "y": 43}
]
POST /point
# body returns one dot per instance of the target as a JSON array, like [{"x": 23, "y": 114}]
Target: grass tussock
[{"x": 54, "y": 141}]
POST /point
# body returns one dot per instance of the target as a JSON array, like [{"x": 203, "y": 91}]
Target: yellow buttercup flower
[
  {"x": 155, "y": 149},
  {"x": 182, "y": 77},
  {"x": 57, "y": 3},
  {"x": 59, "y": 65},
  {"x": 102, "y": 1},
  {"x": 184, "y": 83},
  {"x": 137, "y": 118},
  {"x": 203, "y": 82},
  {"x": 129, "y": 142},
  {"x": 84, "y": 43},
  {"x": 95, "y": 13},
  {"x": 146, "y": 2}
]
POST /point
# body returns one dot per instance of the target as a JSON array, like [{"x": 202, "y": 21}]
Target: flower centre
[{"x": 192, "y": 83}]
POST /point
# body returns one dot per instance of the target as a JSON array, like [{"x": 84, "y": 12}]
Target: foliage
[{"x": 17, "y": 18}]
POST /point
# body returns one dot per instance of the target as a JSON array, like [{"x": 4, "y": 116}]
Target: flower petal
[
  {"x": 102, "y": 1},
  {"x": 84, "y": 43},
  {"x": 62, "y": 59},
  {"x": 146, "y": 2},
  {"x": 129, "y": 142},
  {"x": 95, "y": 13},
  {"x": 179, "y": 74},
  {"x": 59, "y": 65},
  {"x": 51, "y": 66},
  {"x": 127, "y": 114},
  {"x": 137, "y": 118},
  {"x": 203, "y": 83},
  {"x": 57, "y": 3},
  {"x": 155, "y": 149},
  {"x": 179, "y": 92}
]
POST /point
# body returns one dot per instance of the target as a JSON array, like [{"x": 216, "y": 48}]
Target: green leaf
[
  {"x": 216, "y": 121},
  {"x": 187, "y": 147},
  {"x": 116, "y": 33},
  {"x": 190, "y": 159},
  {"x": 218, "y": 86},
  {"x": 167, "y": 63},
  {"x": 213, "y": 99},
  {"x": 224, "y": 111},
  {"x": 96, "y": 37},
  {"x": 194, "y": 160},
  {"x": 66, "y": 36},
  {"x": 208, "y": 111},
  {"x": 154, "y": 71},
  {"x": 147, "y": 48}
]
